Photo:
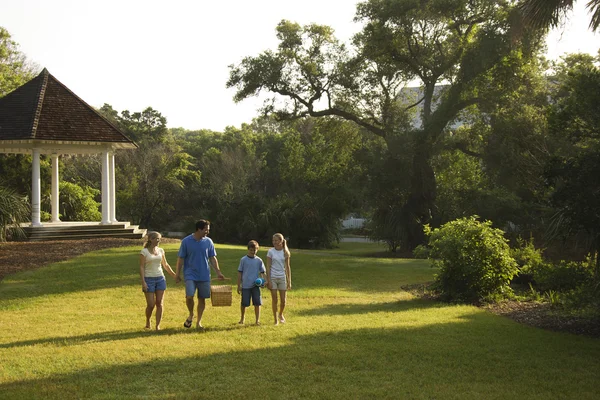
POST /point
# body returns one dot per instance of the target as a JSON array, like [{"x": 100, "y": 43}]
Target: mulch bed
[
  {"x": 537, "y": 314},
  {"x": 22, "y": 256},
  {"x": 543, "y": 315}
]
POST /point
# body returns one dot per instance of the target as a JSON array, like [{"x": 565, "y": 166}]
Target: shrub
[
  {"x": 564, "y": 276},
  {"x": 421, "y": 252},
  {"x": 528, "y": 260},
  {"x": 473, "y": 258},
  {"x": 77, "y": 203},
  {"x": 14, "y": 210}
]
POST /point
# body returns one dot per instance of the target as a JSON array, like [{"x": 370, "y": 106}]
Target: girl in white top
[
  {"x": 279, "y": 274},
  {"x": 152, "y": 262}
]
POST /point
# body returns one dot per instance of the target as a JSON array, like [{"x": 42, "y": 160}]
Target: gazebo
[{"x": 44, "y": 117}]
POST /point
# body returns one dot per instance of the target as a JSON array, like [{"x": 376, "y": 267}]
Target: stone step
[
  {"x": 68, "y": 232},
  {"x": 74, "y": 231},
  {"x": 88, "y": 236}
]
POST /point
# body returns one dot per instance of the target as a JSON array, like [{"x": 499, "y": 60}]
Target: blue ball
[{"x": 259, "y": 282}]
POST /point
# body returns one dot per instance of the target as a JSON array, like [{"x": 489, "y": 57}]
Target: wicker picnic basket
[{"x": 220, "y": 295}]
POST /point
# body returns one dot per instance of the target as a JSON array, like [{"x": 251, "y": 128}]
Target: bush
[
  {"x": 77, "y": 203},
  {"x": 564, "y": 276},
  {"x": 528, "y": 259},
  {"x": 421, "y": 252},
  {"x": 14, "y": 210},
  {"x": 473, "y": 258}
]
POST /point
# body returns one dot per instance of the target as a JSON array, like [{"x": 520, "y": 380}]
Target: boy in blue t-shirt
[{"x": 251, "y": 268}]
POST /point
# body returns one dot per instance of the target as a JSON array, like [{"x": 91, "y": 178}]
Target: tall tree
[
  {"x": 461, "y": 43},
  {"x": 15, "y": 69},
  {"x": 573, "y": 171}
]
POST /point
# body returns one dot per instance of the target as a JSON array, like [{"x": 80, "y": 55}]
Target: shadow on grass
[
  {"x": 449, "y": 361},
  {"x": 353, "y": 308},
  {"x": 64, "y": 341}
]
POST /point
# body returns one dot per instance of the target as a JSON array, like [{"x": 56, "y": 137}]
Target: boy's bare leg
[
  {"x": 242, "y": 314},
  {"x": 257, "y": 314}
]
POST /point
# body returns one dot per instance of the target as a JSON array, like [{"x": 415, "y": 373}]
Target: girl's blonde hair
[
  {"x": 151, "y": 235},
  {"x": 286, "y": 251}
]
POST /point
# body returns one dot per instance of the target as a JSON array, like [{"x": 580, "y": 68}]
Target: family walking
[{"x": 195, "y": 257}]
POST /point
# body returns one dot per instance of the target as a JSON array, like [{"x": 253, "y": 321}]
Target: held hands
[{"x": 177, "y": 278}]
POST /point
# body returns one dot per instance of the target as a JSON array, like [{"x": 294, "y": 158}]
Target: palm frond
[
  {"x": 544, "y": 14},
  {"x": 593, "y": 7}
]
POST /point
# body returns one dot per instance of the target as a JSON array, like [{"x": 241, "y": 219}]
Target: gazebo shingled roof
[{"x": 44, "y": 109}]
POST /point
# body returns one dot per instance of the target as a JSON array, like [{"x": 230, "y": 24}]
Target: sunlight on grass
[{"x": 74, "y": 329}]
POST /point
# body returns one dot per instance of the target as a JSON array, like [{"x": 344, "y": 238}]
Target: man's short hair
[{"x": 202, "y": 224}]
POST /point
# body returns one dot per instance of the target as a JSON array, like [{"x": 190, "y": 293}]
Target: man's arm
[
  {"x": 215, "y": 264},
  {"x": 177, "y": 269}
]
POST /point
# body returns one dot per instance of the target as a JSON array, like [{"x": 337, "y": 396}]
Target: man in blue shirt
[{"x": 195, "y": 253}]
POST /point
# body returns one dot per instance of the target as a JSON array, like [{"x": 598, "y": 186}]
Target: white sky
[{"x": 172, "y": 55}]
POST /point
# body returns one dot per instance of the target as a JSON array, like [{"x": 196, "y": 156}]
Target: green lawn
[{"x": 75, "y": 330}]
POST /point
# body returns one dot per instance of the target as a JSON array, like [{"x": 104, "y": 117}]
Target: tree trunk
[{"x": 417, "y": 210}]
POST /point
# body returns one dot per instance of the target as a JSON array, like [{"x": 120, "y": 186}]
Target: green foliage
[
  {"x": 473, "y": 258},
  {"x": 14, "y": 210},
  {"x": 563, "y": 276},
  {"x": 15, "y": 70},
  {"x": 421, "y": 252},
  {"x": 572, "y": 173},
  {"x": 292, "y": 177},
  {"x": 528, "y": 257},
  {"x": 78, "y": 203}
]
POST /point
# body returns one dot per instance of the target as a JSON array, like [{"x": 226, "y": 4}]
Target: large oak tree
[{"x": 464, "y": 45}]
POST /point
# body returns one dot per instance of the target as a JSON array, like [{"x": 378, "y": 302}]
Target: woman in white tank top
[{"x": 152, "y": 262}]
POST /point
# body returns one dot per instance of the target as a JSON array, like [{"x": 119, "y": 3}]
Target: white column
[
  {"x": 105, "y": 190},
  {"x": 54, "y": 189},
  {"x": 35, "y": 189},
  {"x": 113, "y": 193}
]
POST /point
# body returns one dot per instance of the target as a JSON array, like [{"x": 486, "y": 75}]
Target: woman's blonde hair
[
  {"x": 151, "y": 235},
  {"x": 286, "y": 251}
]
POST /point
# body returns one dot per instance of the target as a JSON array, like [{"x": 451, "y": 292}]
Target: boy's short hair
[{"x": 253, "y": 244}]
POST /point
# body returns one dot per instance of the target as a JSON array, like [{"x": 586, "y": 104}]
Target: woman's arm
[
  {"x": 288, "y": 272},
  {"x": 142, "y": 263},
  {"x": 269, "y": 261},
  {"x": 166, "y": 265}
]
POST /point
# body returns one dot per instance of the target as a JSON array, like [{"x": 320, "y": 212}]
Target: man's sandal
[{"x": 187, "y": 324}]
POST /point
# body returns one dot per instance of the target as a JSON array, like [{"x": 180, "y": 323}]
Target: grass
[{"x": 74, "y": 330}]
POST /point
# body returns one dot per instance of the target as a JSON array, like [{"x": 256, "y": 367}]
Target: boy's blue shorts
[
  {"x": 155, "y": 283},
  {"x": 254, "y": 293},
  {"x": 202, "y": 286}
]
